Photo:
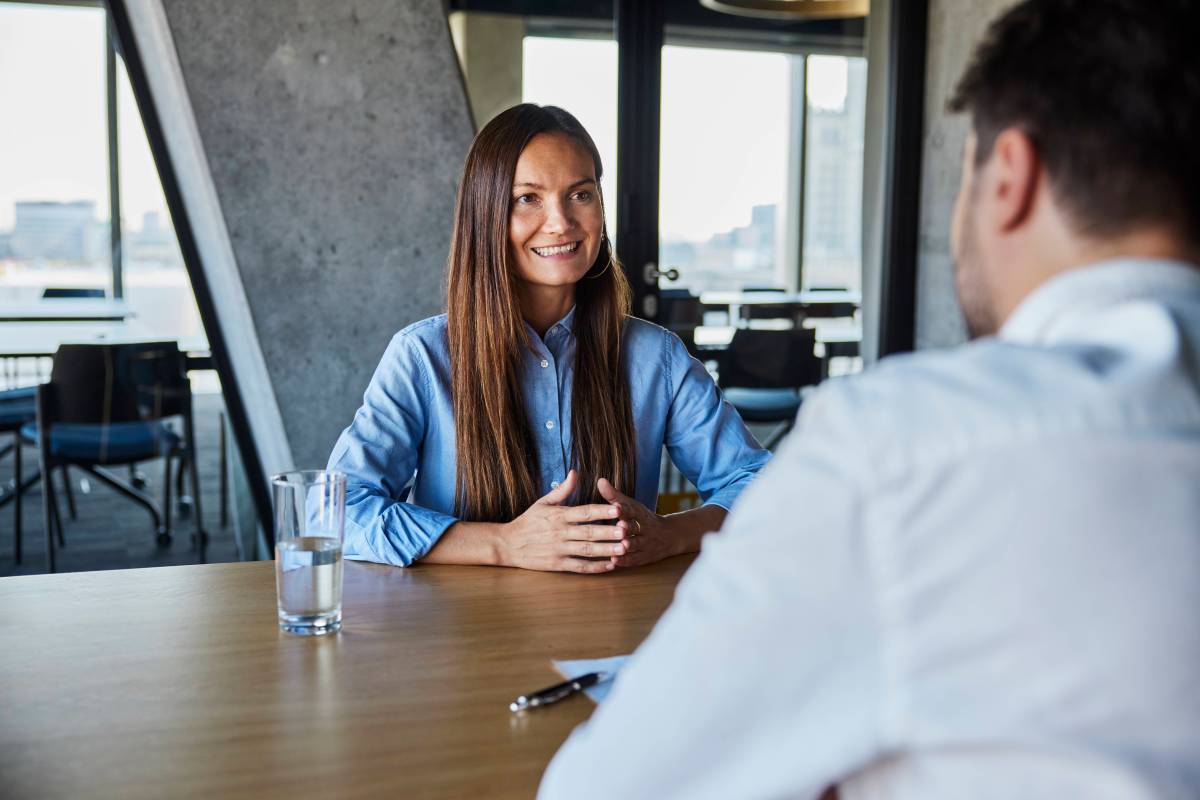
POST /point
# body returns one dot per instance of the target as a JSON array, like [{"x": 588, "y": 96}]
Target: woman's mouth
[{"x": 557, "y": 250}]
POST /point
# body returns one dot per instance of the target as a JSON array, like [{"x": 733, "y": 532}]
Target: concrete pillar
[
  {"x": 490, "y": 48},
  {"x": 317, "y": 146},
  {"x": 955, "y": 26}
]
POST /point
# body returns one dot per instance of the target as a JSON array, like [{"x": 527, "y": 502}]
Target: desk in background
[
  {"x": 66, "y": 310},
  {"x": 810, "y": 298},
  {"x": 176, "y": 682},
  {"x": 31, "y": 340}
]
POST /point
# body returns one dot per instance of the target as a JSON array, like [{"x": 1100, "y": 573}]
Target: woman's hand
[
  {"x": 554, "y": 537},
  {"x": 647, "y": 536}
]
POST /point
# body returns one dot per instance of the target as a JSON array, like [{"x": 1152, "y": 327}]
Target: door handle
[{"x": 651, "y": 274}]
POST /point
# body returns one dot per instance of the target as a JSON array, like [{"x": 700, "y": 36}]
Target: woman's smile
[{"x": 558, "y": 252}]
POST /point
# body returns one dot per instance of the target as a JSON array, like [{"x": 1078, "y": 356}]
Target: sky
[{"x": 53, "y": 138}]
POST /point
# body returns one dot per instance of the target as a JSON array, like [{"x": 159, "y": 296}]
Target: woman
[{"x": 533, "y": 414}]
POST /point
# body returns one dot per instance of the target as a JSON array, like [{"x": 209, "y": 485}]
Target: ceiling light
[{"x": 791, "y": 9}]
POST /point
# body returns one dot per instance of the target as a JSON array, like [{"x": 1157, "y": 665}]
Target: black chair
[
  {"x": 17, "y": 408},
  {"x": 680, "y": 312},
  {"x": 762, "y": 372},
  {"x": 71, "y": 293},
  {"x": 104, "y": 406}
]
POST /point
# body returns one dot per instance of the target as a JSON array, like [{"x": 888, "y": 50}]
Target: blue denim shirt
[{"x": 399, "y": 452}]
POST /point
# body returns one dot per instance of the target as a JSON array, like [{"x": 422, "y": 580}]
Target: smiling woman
[{"x": 525, "y": 426}]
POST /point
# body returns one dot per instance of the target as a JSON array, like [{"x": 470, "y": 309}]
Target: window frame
[{"x": 740, "y": 40}]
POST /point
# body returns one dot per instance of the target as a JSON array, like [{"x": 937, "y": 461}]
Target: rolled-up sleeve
[
  {"x": 378, "y": 453},
  {"x": 706, "y": 437}
]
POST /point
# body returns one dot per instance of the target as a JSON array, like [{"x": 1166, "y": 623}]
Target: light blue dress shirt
[{"x": 399, "y": 452}]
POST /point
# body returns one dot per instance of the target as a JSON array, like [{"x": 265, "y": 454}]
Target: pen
[{"x": 558, "y": 691}]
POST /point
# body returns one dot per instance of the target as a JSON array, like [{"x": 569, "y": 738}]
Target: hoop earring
[{"x": 600, "y": 274}]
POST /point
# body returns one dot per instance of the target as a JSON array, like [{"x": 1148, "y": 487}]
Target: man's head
[{"x": 1085, "y": 144}]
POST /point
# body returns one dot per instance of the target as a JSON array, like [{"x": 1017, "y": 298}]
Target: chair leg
[
  {"x": 136, "y": 495},
  {"x": 224, "y": 467},
  {"x": 166, "y": 498},
  {"x": 70, "y": 493},
  {"x": 199, "y": 535},
  {"x": 17, "y": 500},
  {"x": 49, "y": 515},
  {"x": 183, "y": 502},
  {"x": 58, "y": 520}
]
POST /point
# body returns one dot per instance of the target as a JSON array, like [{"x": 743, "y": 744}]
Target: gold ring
[{"x": 638, "y": 532}]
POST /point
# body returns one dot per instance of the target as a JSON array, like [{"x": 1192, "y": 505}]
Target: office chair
[
  {"x": 762, "y": 372},
  {"x": 104, "y": 406}
]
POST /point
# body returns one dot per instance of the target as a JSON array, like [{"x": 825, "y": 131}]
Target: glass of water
[{"x": 310, "y": 510}]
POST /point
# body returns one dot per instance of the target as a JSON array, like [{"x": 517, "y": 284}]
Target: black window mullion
[{"x": 639, "y": 27}]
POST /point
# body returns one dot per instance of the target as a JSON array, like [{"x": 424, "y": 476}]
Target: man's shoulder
[{"x": 967, "y": 397}]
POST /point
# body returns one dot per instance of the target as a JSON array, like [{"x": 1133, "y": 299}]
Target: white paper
[{"x": 574, "y": 669}]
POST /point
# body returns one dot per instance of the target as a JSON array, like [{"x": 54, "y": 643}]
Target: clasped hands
[{"x": 553, "y": 536}]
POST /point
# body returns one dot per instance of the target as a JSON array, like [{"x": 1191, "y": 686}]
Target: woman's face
[{"x": 556, "y": 220}]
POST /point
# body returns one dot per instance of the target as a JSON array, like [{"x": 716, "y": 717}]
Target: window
[
  {"x": 54, "y": 199},
  {"x": 760, "y": 162},
  {"x": 836, "y": 97},
  {"x": 56, "y": 179},
  {"x": 723, "y": 180},
  {"x": 579, "y": 75}
]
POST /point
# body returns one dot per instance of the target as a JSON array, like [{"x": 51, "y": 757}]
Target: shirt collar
[
  {"x": 1045, "y": 315},
  {"x": 563, "y": 330},
  {"x": 566, "y": 324}
]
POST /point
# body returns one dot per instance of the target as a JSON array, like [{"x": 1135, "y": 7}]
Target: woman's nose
[{"x": 558, "y": 218}]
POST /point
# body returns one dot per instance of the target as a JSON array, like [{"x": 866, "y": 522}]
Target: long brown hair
[{"x": 498, "y": 473}]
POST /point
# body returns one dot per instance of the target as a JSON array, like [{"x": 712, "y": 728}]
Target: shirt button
[
  {"x": 553, "y": 484},
  {"x": 549, "y": 424},
  {"x": 545, "y": 363}
]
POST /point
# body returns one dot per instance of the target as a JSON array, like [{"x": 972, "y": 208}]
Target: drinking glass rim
[{"x": 318, "y": 477}]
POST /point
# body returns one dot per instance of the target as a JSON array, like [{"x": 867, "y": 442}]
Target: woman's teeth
[{"x": 557, "y": 249}]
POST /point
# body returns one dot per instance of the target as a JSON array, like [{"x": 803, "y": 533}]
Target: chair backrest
[
  {"x": 758, "y": 359},
  {"x": 101, "y": 384},
  {"x": 829, "y": 310},
  {"x": 70, "y": 292},
  {"x": 679, "y": 309},
  {"x": 792, "y": 311}
]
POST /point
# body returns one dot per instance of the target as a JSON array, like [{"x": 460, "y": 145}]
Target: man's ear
[{"x": 1014, "y": 181}]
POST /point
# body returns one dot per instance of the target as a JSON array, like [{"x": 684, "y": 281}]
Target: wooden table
[{"x": 175, "y": 682}]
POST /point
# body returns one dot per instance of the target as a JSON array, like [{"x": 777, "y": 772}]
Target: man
[{"x": 976, "y": 573}]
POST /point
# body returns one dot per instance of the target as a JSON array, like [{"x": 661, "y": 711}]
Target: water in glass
[{"x": 308, "y": 576}]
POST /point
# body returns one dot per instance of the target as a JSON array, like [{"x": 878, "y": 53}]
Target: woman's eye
[
  {"x": 526, "y": 199},
  {"x": 583, "y": 196}
]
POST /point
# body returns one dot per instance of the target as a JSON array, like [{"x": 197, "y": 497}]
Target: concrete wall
[
  {"x": 954, "y": 28},
  {"x": 334, "y": 134}
]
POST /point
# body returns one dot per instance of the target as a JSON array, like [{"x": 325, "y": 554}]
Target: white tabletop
[
  {"x": 722, "y": 335},
  {"x": 786, "y": 298},
  {"x": 66, "y": 310},
  {"x": 33, "y": 339}
]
